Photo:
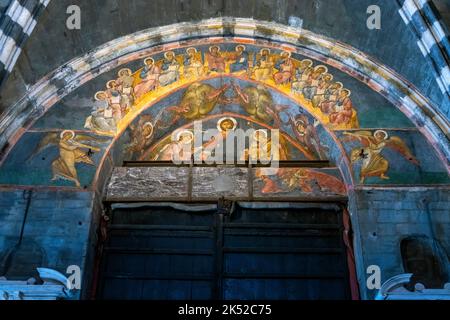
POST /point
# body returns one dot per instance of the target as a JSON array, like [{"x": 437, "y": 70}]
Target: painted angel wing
[
  {"x": 397, "y": 144},
  {"x": 49, "y": 140},
  {"x": 363, "y": 137},
  {"x": 286, "y": 173},
  {"x": 86, "y": 138}
]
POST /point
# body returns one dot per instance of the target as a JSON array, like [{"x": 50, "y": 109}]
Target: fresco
[
  {"x": 131, "y": 113},
  {"x": 392, "y": 157},
  {"x": 298, "y": 182},
  {"x": 208, "y": 183},
  {"x": 299, "y": 140},
  {"x": 311, "y": 86},
  {"x": 66, "y": 158}
]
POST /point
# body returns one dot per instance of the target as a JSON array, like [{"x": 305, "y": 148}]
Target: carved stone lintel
[
  {"x": 394, "y": 289},
  {"x": 55, "y": 287}
]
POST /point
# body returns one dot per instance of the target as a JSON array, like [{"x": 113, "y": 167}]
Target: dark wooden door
[{"x": 163, "y": 253}]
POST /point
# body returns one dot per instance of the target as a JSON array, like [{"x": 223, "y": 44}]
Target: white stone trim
[
  {"x": 393, "y": 289},
  {"x": 55, "y": 287}
]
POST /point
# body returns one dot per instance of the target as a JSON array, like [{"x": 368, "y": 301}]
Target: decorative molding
[
  {"x": 393, "y": 289},
  {"x": 55, "y": 287}
]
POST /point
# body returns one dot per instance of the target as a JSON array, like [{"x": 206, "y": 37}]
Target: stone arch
[
  {"x": 78, "y": 71},
  {"x": 42, "y": 96}
]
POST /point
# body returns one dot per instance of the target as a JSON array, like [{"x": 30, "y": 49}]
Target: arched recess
[
  {"x": 424, "y": 129},
  {"x": 56, "y": 85},
  {"x": 322, "y": 143}
]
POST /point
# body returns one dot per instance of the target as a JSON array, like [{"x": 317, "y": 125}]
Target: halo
[
  {"x": 149, "y": 124},
  {"x": 240, "y": 46},
  {"x": 167, "y": 53},
  {"x": 97, "y": 94},
  {"x": 288, "y": 53},
  {"x": 340, "y": 84},
  {"x": 67, "y": 131},
  {"x": 321, "y": 66},
  {"x": 386, "y": 135},
  {"x": 149, "y": 59},
  {"x": 256, "y": 134},
  {"x": 264, "y": 49},
  {"x": 328, "y": 75},
  {"x": 123, "y": 70},
  {"x": 108, "y": 84},
  {"x": 210, "y": 48},
  {"x": 349, "y": 92},
  {"x": 190, "y": 49},
  {"x": 227, "y": 119},
  {"x": 184, "y": 132},
  {"x": 310, "y": 63}
]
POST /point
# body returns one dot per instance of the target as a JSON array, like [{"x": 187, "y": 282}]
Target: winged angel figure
[
  {"x": 373, "y": 162},
  {"x": 71, "y": 152}
]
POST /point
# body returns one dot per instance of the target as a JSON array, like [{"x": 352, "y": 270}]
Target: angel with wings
[
  {"x": 373, "y": 162},
  {"x": 70, "y": 153},
  {"x": 141, "y": 135}
]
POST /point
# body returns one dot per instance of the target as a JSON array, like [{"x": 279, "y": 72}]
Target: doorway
[{"x": 255, "y": 253}]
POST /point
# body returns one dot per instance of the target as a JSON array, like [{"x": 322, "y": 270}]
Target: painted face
[
  {"x": 191, "y": 52},
  {"x": 215, "y": 50},
  {"x": 344, "y": 93},
  {"x": 320, "y": 70},
  {"x": 301, "y": 128},
  {"x": 124, "y": 73},
  {"x": 101, "y": 96},
  {"x": 380, "y": 136},
  {"x": 67, "y": 136},
  {"x": 265, "y": 53},
  {"x": 147, "y": 130},
  {"x": 240, "y": 49},
  {"x": 170, "y": 56},
  {"x": 185, "y": 138},
  {"x": 227, "y": 125},
  {"x": 149, "y": 63}
]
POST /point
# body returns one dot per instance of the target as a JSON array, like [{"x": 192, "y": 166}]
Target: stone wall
[
  {"x": 56, "y": 231},
  {"x": 343, "y": 20},
  {"x": 385, "y": 217},
  {"x": 60, "y": 229}
]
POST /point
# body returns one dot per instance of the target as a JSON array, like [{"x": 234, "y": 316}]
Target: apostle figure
[
  {"x": 313, "y": 82},
  {"x": 149, "y": 75},
  {"x": 216, "y": 62},
  {"x": 343, "y": 110},
  {"x": 264, "y": 66},
  {"x": 170, "y": 69},
  {"x": 321, "y": 90},
  {"x": 302, "y": 75},
  {"x": 115, "y": 98},
  {"x": 240, "y": 59},
  {"x": 193, "y": 66},
  {"x": 125, "y": 82},
  {"x": 285, "y": 67},
  {"x": 101, "y": 118},
  {"x": 331, "y": 98}
]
